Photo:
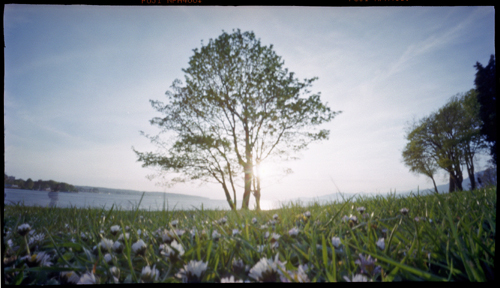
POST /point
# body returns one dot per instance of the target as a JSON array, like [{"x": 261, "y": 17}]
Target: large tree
[
  {"x": 238, "y": 107},
  {"x": 448, "y": 139},
  {"x": 418, "y": 156},
  {"x": 486, "y": 88}
]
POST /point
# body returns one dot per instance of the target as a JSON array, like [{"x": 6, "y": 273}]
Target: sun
[{"x": 263, "y": 171}]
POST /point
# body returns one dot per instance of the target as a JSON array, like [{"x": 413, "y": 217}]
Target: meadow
[{"x": 445, "y": 237}]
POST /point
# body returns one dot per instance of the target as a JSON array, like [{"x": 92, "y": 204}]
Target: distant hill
[{"x": 103, "y": 190}]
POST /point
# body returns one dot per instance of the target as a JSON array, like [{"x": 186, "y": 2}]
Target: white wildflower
[
  {"x": 230, "y": 280},
  {"x": 117, "y": 247},
  {"x": 275, "y": 216},
  {"x": 23, "y": 229},
  {"x": 193, "y": 271},
  {"x": 356, "y": 278},
  {"x": 254, "y": 220},
  {"x": 88, "y": 279},
  {"x": 174, "y": 223},
  {"x": 297, "y": 276},
  {"x": 381, "y": 243},
  {"x": 223, "y": 220},
  {"x": 108, "y": 258},
  {"x": 69, "y": 277},
  {"x": 215, "y": 235},
  {"x": 174, "y": 251},
  {"x": 106, "y": 245},
  {"x": 149, "y": 274},
  {"x": 236, "y": 232},
  {"x": 36, "y": 238},
  {"x": 293, "y": 232},
  {"x": 404, "y": 211},
  {"x": 266, "y": 270},
  {"x": 307, "y": 214},
  {"x": 139, "y": 247},
  {"x": 336, "y": 242}
]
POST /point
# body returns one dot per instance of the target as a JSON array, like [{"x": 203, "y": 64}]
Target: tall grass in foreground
[{"x": 447, "y": 237}]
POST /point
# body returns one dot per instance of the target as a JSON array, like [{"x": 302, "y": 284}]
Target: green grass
[{"x": 453, "y": 240}]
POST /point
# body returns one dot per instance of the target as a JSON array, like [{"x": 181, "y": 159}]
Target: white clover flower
[
  {"x": 193, "y": 271},
  {"x": 88, "y": 279},
  {"x": 139, "y": 247},
  {"x": 174, "y": 223},
  {"x": 263, "y": 227},
  {"x": 404, "y": 211},
  {"x": 336, "y": 242},
  {"x": 236, "y": 232},
  {"x": 215, "y": 235},
  {"x": 345, "y": 218},
  {"x": 354, "y": 219},
  {"x": 381, "y": 243},
  {"x": 307, "y": 214},
  {"x": 139, "y": 232},
  {"x": 230, "y": 280},
  {"x": 254, "y": 220},
  {"x": 179, "y": 232},
  {"x": 10, "y": 243},
  {"x": 117, "y": 247},
  {"x": 266, "y": 270},
  {"x": 275, "y": 216},
  {"x": 106, "y": 245},
  {"x": 293, "y": 232},
  {"x": 23, "y": 229},
  {"x": 149, "y": 274},
  {"x": 357, "y": 278},
  {"x": 266, "y": 235},
  {"x": 361, "y": 209}
]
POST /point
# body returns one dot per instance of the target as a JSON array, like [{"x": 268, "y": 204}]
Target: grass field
[{"x": 446, "y": 237}]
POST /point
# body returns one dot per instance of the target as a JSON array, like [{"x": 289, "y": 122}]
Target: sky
[{"x": 78, "y": 80}]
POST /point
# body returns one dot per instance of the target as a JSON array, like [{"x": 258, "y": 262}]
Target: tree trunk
[
  {"x": 452, "y": 184},
  {"x": 248, "y": 184},
  {"x": 435, "y": 187},
  {"x": 257, "y": 194},
  {"x": 228, "y": 197}
]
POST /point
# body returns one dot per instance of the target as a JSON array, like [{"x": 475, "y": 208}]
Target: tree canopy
[
  {"x": 238, "y": 107},
  {"x": 448, "y": 139},
  {"x": 486, "y": 88}
]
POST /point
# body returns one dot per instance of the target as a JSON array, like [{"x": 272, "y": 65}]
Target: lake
[{"x": 124, "y": 201}]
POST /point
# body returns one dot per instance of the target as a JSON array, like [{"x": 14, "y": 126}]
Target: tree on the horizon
[
  {"x": 448, "y": 139},
  {"x": 486, "y": 88},
  {"x": 238, "y": 107}
]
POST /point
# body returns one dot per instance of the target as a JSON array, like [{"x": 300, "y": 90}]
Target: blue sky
[{"x": 78, "y": 80}]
